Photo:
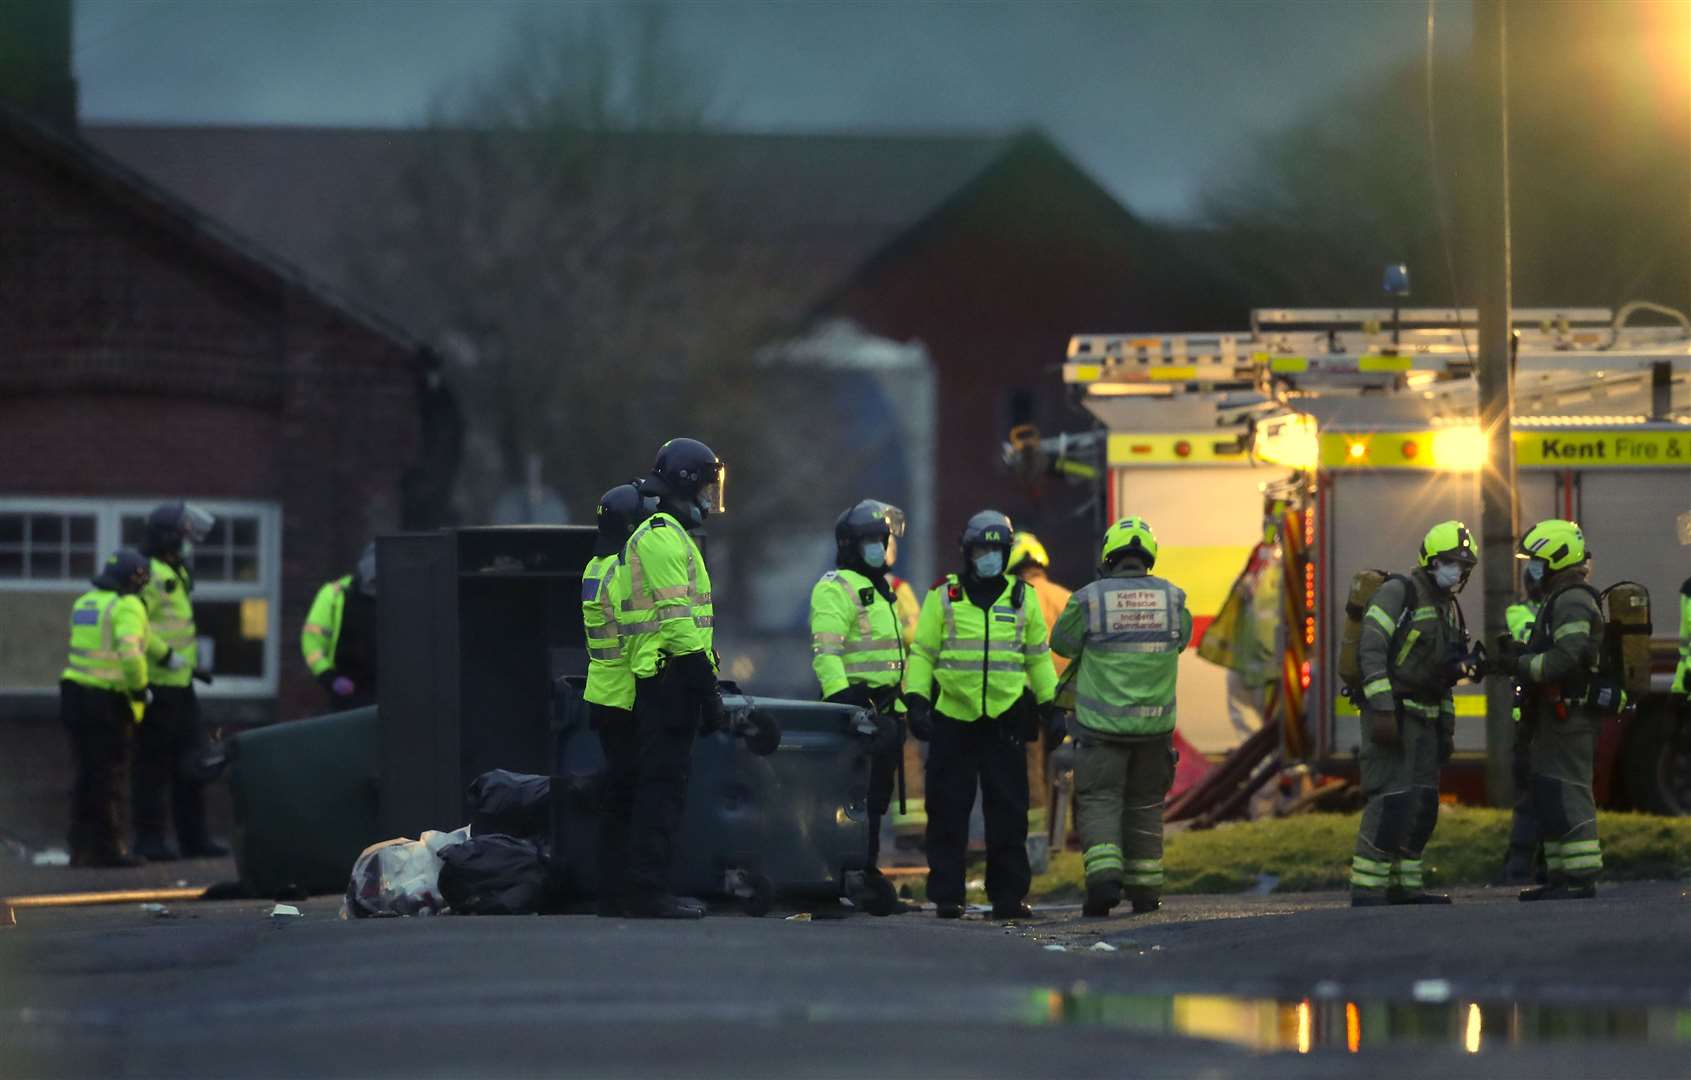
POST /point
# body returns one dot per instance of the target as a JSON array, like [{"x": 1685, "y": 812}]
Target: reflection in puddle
[{"x": 1268, "y": 1024}]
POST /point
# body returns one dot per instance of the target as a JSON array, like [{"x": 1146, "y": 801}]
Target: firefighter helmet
[
  {"x": 1449, "y": 540},
  {"x": 1560, "y": 544},
  {"x": 1026, "y": 548},
  {"x": 1129, "y": 536},
  {"x": 126, "y": 571}
]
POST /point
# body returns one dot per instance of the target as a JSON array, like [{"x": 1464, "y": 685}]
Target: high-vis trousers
[
  {"x": 1561, "y": 758},
  {"x": 1119, "y": 788},
  {"x": 1401, "y": 783}
]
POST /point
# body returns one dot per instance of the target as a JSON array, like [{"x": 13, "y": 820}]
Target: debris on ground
[
  {"x": 285, "y": 911},
  {"x": 1103, "y": 946},
  {"x": 399, "y": 877},
  {"x": 1056, "y": 948},
  {"x": 803, "y": 916},
  {"x": 50, "y": 857},
  {"x": 156, "y": 909}
]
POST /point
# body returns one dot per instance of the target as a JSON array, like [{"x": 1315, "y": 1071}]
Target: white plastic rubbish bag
[{"x": 399, "y": 877}]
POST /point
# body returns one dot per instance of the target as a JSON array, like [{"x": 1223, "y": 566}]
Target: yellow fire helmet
[
  {"x": 1559, "y": 543},
  {"x": 1026, "y": 548},
  {"x": 1129, "y": 536},
  {"x": 1451, "y": 540}
]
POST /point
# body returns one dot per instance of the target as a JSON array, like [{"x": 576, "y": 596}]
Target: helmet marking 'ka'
[{"x": 989, "y": 528}]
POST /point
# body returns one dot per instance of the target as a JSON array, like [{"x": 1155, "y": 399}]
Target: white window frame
[{"x": 108, "y": 534}]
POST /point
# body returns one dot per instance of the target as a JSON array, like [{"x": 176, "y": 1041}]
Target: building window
[
  {"x": 49, "y": 548},
  {"x": 46, "y": 545}
]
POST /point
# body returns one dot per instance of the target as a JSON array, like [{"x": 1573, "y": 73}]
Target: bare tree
[{"x": 555, "y": 237}]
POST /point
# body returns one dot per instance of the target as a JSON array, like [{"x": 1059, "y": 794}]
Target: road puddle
[{"x": 1331, "y": 1023}]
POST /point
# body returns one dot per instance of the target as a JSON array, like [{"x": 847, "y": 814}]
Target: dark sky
[{"x": 1151, "y": 97}]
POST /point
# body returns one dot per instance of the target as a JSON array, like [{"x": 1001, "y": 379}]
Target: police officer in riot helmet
[
  {"x": 667, "y": 635},
  {"x": 172, "y": 745},
  {"x": 858, "y": 657},
  {"x": 978, "y": 675}
]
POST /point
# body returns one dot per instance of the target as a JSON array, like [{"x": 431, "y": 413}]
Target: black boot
[
  {"x": 1015, "y": 910},
  {"x": 1398, "y": 894},
  {"x": 949, "y": 911},
  {"x": 880, "y": 897},
  {"x": 1101, "y": 898},
  {"x": 1368, "y": 898},
  {"x": 664, "y": 907},
  {"x": 155, "y": 849},
  {"x": 204, "y": 849},
  {"x": 1145, "y": 899},
  {"x": 1561, "y": 889}
]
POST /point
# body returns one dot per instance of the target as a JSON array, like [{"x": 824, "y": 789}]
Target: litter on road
[
  {"x": 285, "y": 911},
  {"x": 1103, "y": 946},
  {"x": 1431, "y": 991}
]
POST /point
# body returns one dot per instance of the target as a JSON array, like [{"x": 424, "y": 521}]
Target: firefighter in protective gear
[
  {"x": 1520, "y": 865},
  {"x": 1555, "y": 672},
  {"x": 665, "y": 620},
  {"x": 1030, "y": 562},
  {"x": 610, "y": 686},
  {"x": 173, "y": 736},
  {"x": 1682, "y": 674},
  {"x": 102, "y": 696},
  {"x": 1411, "y": 637},
  {"x": 981, "y": 649},
  {"x": 1126, "y": 630},
  {"x": 858, "y": 655},
  {"x": 338, "y": 639}
]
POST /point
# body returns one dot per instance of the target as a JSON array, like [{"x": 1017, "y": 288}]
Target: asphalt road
[{"x": 223, "y": 989}]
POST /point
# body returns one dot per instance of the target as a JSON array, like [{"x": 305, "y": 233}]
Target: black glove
[
  {"x": 1447, "y": 739},
  {"x": 713, "y": 715},
  {"x": 695, "y": 681},
  {"x": 1055, "y": 722},
  {"x": 921, "y": 715},
  {"x": 1505, "y": 659},
  {"x": 854, "y": 694},
  {"x": 143, "y": 696},
  {"x": 1027, "y": 718}
]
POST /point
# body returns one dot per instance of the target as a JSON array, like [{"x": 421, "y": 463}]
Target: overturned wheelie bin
[{"x": 791, "y": 823}]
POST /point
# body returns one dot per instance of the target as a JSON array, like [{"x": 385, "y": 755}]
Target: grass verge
[{"x": 1312, "y": 851}]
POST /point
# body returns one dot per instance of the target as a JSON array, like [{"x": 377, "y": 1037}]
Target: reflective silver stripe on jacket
[
  {"x": 1137, "y": 712},
  {"x": 1011, "y": 643},
  {"x": 689, "y": 594}
]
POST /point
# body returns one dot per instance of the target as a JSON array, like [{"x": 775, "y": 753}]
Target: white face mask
[
  {"x": 989, "y": 564},
  {"x": 875, "y": 554},
  {"x": 1447, "y": 576}
]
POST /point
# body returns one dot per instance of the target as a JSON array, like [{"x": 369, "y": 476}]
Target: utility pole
[{"x": 1494, "y": 376}]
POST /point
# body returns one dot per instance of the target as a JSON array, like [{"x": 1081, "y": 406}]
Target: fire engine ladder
[{"x": 1308, "y": 349}]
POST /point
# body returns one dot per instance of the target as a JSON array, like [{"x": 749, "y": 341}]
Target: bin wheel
[
  {"x": 762, "y": 897},
  {"x": 1657, "y": 760}
]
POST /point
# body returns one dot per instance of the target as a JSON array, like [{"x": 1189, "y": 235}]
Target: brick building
[{"x": 148, "y": 352}]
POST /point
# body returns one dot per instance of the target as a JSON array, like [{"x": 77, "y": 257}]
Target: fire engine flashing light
[
  {"x": 1459, "y": 448},
  {"x": 1356, "y": 449}
]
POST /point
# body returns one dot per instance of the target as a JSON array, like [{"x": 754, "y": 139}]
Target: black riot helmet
[
  {"x": 866, "y": 521},
  {"x": 126, "y": 571},
  {"x": 688, "y": 478},
  {"x": 172, "y": 523},
  {"x": 987, "y": 529},
  {"x": 621, "y": 510}
]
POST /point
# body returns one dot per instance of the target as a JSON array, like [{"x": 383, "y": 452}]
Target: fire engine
[{"x": 1350, "y": 432}]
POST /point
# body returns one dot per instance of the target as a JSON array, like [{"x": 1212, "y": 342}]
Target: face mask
[
  {"x": 875, "y": 554},
  {"x": 1533, "y": 572},
  {"x": 989, "y": 564},
  {"x": 1447, "y": 576}
]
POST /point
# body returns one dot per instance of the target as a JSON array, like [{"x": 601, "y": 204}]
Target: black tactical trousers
[
  {"x": 621, "y": 741},
  {"x": 883, "y": 766},
  {"x": 962, "y": 757},
  {"x": 666, "y": 718},
  {"x": 170, "y": 732},
  {"x": 99, "y": 724}
]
